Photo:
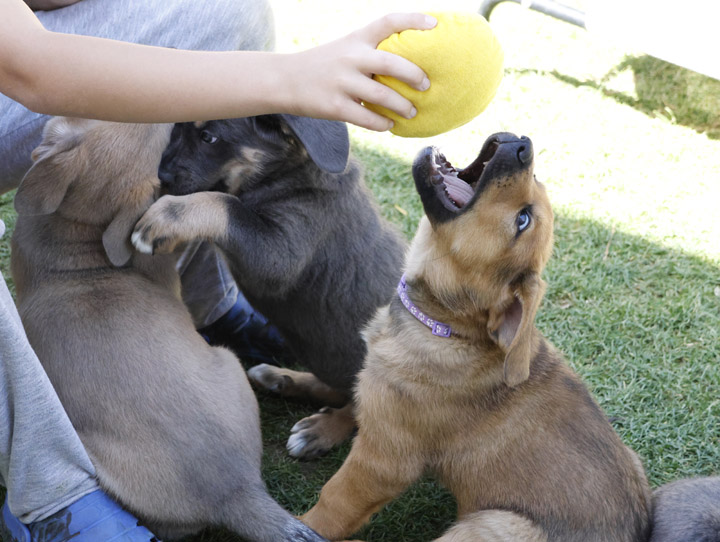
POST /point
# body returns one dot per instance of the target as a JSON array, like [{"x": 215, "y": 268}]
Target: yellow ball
[{"x": 464, "y": 61}]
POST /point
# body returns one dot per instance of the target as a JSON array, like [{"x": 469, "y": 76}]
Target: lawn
[{"x": 629, "y": 149}]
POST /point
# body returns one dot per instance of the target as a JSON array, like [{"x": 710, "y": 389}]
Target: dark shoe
[
  {"x": 249, "y": 334},
  {"x": 92, "y": 518}
]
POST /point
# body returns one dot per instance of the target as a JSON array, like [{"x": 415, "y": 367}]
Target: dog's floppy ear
[
  {"x": 116, "y": 238},
  {"x": 513, "y": 328},
  {"x": 326, "y": 141},
  {"x": 43, "y": 188}
]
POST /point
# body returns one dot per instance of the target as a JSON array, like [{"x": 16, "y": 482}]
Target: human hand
[
  {"x": 48, "y": 5},
  {"x": 331, "y": 81}
]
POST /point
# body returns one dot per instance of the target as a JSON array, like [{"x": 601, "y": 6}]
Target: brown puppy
[
  {"x": 491, "y": 409},
  {"x": 170, "y": 423}
]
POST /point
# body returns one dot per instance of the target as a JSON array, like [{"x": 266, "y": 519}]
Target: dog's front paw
[
  {"x": 315, "y": 435},
  {"x": 161, "y": 228}
]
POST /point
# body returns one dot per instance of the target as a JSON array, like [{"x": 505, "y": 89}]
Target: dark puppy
[
  {"x": 687, "y": 511},
  {"x": 304, "y": 240}
]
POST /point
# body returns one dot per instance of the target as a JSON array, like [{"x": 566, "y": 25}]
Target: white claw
[
  {"x": 296, "y": 445},
  {"x": 299, "y": 426},
  {"x": 139, "y": 244}
]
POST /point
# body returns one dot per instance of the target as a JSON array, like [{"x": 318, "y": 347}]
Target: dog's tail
[
  {"x": 299, "y": 532},
  {"x": 261, "y": 519}
]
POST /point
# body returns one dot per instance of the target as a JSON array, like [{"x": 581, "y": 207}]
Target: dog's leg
[
  {"x": 369, "y": 478},
  {"x": 266, "y": 253},
  {"x": 174, "y": 220},
  {"x": 296, "y": 385},
  {"x": 494, "y": 526},
  {"x": 316, "y": 434}
]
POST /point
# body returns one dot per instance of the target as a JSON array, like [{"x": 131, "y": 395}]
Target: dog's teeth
[{"x": 141, "y": 245}]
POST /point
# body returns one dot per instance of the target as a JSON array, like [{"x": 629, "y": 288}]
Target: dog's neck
[
  {"x": 459, "y": 314},
  {"x": 61, "y": 245},
  {"x": 439, "y": 329},
  {"x": 62, "y": 241}
]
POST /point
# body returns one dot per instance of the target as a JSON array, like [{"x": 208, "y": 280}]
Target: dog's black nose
[
  {"x": 525, "y": 150},
  {"x": 512, "y": 152},
  {"x": 166, "y": 177},
  {"x": 504, "y": 154},
  {"x": 515, "y": 150}
]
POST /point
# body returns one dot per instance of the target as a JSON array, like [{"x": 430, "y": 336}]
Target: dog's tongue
[{"x": 458, "y": 190}]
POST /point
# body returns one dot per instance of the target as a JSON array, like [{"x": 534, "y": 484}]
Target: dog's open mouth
[
  {"x": 456, "y": 188},
  {"x": 447, "y": 191}
]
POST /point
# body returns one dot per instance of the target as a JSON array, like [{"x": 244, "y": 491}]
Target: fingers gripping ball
[{"x": 463, "y": 60}]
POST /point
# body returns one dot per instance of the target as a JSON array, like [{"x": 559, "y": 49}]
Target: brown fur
[
  {"x": 493, "y": 411},
  {"x": 170, "y": 423}
]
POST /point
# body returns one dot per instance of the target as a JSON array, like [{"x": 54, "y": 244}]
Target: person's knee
[{"x": 229, "y": 24}]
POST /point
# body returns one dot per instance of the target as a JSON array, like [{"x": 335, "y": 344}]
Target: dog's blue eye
[
  {"x": 523, "y": 220},
  {"x": 207, "y": 137}
]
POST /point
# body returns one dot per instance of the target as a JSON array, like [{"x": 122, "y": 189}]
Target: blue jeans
[{"x": 42, "y": 461}]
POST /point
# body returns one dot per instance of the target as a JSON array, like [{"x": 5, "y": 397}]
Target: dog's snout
[
  {"x": 525, "y": 151},
  {"x": 513, "y": 154},
  {"x": 516, "y": 150}
]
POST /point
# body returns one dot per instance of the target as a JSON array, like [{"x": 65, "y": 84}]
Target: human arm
[{"x": 64, "y": 74}]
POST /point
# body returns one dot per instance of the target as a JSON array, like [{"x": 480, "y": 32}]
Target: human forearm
[
  {"x": 111, "y": 80},
  {"x": 63, "y": 74}
]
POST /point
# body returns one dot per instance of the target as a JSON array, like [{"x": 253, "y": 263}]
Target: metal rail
[{"x": 548, "y": 7}]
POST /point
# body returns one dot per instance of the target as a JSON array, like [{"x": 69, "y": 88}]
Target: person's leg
[
  {"x": 221, "y": 312},
  {"x": 52, "y": 494},
  {"x": 41, "y": 456}
]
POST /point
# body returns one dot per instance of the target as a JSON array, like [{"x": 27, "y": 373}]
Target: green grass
[{"x": 629, "y": 149}]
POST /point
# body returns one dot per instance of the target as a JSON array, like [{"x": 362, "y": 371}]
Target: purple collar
[{"x": 438, "y": 328}]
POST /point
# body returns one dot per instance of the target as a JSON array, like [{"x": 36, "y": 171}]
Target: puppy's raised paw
[
  {"x": 313, "y": 436},
  {"x": 173, "y": 220},
  {"x": 160, "y": 229}
]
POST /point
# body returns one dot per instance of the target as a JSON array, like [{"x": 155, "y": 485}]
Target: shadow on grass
[
  {"x": 662, "y": 89},
  {"x": 639, "y": 322}
]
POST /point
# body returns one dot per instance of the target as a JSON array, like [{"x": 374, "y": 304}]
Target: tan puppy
[
  {"x": 491, "y": 410},
  {"x": 170, "y": 423}
]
